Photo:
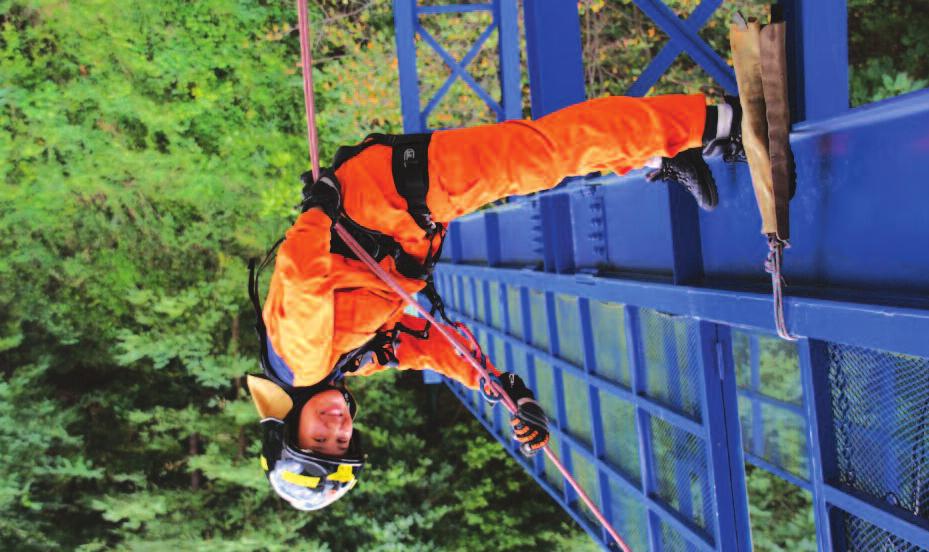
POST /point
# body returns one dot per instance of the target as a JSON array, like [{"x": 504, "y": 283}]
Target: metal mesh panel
[
  {"x": 552, "y": 475},
  {"x": 745, "y": 423},
  {"x": 779, "y": 369},
  {"x": 498, "y": 354},
  {"x": 784, "y": 440},
  {"x": 496, "y": 306},
  {"x": 861, "y": 536},
  {"x": 628, "y": 514},
  {"x": 568, "y": 318},
  {"x": 480, "y": 307},
  {"x": 619, "y": 439},
  {"x": 608, "y": 322},
  {"x": 774, "y": 431},
  {"x": 767, "y": 365},
  {"x": 545, "y": 388},
  {"x": 466, "y": 296},
  {"x": 520, "y": 364},
  {"x": 498, "y": 357},
  {"x": 539, "y": 319},
  {"x": 879, "y": 404},
  {"x": 586, "y": 474},
  {"x": 451, "y": 287},
  {"x": 441, "y": 286},
  {"x": 681, "y": 472},
  {"x": 671, "y": 360},
  {"x": 577, "y": 408},
  {"x": 514, "y": 311},
  {"x": 673, "y": 541}
]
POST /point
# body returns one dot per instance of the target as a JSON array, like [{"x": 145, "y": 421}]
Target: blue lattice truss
[{"x": 646, "y": 326}]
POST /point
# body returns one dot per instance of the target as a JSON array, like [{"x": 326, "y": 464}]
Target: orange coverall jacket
[{"x": 322, "y": 305}]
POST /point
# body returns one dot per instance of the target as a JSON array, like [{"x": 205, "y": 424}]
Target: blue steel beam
[
  {"x": 554, "y": 57},
  {"x": 536, "y": 474},
  {"x": 595, "y": 409},
  {"x": 818, "y": 47},
  {"x": 889, "y": 328},
  {"x": 507, "y": 16},
  {"x": 678, "y": 30},
  {"x": 651, "y": 406},
  {"x": 757, "y": 428},
  {"x": 643, "y": 424},
  {"x": 693, "y": 534},
  {"x": 454, "y": 8},
  {"x": 892, "y": 519},
  {"x": 780, "y": 472},
  {"x": 817, "y": 398},
  {"x": 724, "y": 443},
  {"x": 761, "y": 398},
  {"x": 458, "y": 70},
  {"x": 405, "y": 28},
  {"x": 662, "y": 62}
]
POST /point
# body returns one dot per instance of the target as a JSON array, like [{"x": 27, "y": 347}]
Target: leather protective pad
[
  {"x": 746, "y": 56},
  {"x": 774, "y": 80},
  {"x": 270, "y": 400}
]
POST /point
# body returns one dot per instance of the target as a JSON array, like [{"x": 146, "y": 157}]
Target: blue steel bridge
[{"x": 646, "y": 326}]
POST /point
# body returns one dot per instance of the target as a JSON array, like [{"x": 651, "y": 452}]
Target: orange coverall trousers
[{"x": 322, "y": 305}]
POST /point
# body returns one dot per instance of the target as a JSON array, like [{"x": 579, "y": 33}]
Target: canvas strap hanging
[{"x": 760, "y": 60}]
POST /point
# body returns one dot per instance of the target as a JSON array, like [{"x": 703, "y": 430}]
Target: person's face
[{"x": 325, "y": 424}]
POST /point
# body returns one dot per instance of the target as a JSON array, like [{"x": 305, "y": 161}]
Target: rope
[
  {"x": 395, "y": 286},
  {"x": 772, "y": 266},
  {"x": 506, "y": 400},
  {"x": 306, "y": 59}
]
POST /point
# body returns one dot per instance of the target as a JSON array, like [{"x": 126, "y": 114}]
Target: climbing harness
[
  {"x": 411, "y": 179},
  {"x": 381, "y": 346},
  {"x": 373, "y": 265}
]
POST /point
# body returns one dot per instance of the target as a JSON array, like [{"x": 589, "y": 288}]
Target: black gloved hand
[
  {"x": 324, "y": 193},
  {"x": 530, "y": 425}
]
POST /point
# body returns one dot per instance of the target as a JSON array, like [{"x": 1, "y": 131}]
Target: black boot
[
  {"x": 731, "y": 147},
  {"x": 688, "y": 169}
]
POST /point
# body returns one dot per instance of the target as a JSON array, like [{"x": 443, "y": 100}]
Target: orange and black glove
[{"x": 530, "y": 425}]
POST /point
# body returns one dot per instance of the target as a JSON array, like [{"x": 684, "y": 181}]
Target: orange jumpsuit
[{"x": 322, "y": 305}]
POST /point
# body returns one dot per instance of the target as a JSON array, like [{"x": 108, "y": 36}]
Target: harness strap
[
  {"x": 409, "y": 166},
  {"x": 254, "y": 271}
]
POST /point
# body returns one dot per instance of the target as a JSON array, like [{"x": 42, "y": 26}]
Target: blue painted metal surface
[
  {"x": 407, "y": 14},
  {"x": 553, "y": 51},
  {"x": 645, "y": 326}
]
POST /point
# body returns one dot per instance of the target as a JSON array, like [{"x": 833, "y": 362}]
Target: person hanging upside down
[{"x": 327, "y": 316}]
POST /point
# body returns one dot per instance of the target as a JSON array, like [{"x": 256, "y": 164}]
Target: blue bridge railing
[{"x": 646, "y": 326}]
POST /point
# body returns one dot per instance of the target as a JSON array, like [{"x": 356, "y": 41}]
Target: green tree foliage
[
  {"x": 781, "y": 514},
  {"x": 619, "y": 41},
  {"x": 888, "y": 48},
  {"x": 148, "y": 150}
]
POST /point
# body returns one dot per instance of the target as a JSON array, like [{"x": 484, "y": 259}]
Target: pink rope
[
  {"x": 773, "y": 266},
  {"x": 359, "y": 251},
  {"x": 470, "y": 358},
  {"x": 306, "y": 58}
]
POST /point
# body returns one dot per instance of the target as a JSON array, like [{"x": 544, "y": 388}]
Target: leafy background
[{"x": 147, "y": 150}]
